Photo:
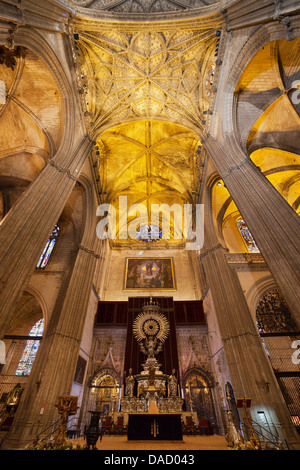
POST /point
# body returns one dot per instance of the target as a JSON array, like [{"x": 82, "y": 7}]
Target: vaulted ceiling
[
  {"x": 268, "y": 97},
  {"x": 31, "y": 121},
  {"x": 142, "y": 6},
  {"x": 268, "y": 123},
  {"x": 149, "y": 162},
  {"x": 147, "y": 91},
  {"x": 152, "y": 73}
]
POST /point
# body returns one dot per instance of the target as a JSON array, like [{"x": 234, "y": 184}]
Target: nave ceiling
[
  {"x": 142, "y": 6},
  {"x": 147, "y": 92}
]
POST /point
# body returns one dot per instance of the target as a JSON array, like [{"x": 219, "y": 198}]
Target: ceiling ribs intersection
[
  {"x": 146, "y": 94},
  {"x": 147, "y": 74}
]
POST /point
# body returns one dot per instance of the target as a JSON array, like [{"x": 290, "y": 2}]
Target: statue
[
  {"x": 129, "y": 384},
  {"x": 172, "y": 385},
  {"x": 151, "y": 374},
  {"x": 66, "y": 406}
]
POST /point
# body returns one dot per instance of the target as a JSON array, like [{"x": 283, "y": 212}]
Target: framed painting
[
  {"x": 149, "y": 274},
  {"x": 80, "y": 370}
]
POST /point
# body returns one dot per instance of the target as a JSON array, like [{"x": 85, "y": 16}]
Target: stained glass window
[
  {"x": 31, "y": 348},
  {"x": 148, "y": 233},
  {"x": 44, "y": 258},
  {"x": 246, "y": 234}
]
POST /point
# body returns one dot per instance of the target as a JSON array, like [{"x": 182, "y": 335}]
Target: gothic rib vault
[
  {"x": 147, "y": 91},
  {"x": 146, "y": 76},
  {"x": 142, "y": 6}
]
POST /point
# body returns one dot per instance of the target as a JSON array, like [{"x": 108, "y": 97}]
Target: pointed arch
[{"x": 31, "y": 349}]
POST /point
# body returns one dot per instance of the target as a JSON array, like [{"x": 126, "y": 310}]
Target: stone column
[
  {"x": 273, "y": 223},
  {"x": 25, "y": 229},
  {"x": 250, "y": 371},
  {"x": 53, "y": 371}
]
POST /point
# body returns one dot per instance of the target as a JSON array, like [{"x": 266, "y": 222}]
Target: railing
[
  {"x": 264, "y": 436},
  {"x": 53, "y": 431}
]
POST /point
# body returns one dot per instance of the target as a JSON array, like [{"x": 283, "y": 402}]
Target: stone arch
[
  {"x": 104, "y": 390},
  {"x": 42, "y": 301},
  {"x": 260, "y": 37},
  {"x": 32, "y": 39},
  {"x": 207, "y": 377},
  {"x": 257, "y": 290},
  {"x": 198, "y": 387},
  {"x": 88, "y": 236},
  {"x": 214, "y": 224},
  {"x": 30, "y": 309},
  {"x": 101, "y": 373}
]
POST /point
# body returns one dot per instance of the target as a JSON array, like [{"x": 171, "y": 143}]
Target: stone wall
[{"x": 185, "y": 283}]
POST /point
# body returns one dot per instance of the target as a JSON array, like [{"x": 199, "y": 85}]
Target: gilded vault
[
  {"x": 147, "y": 74},
  {"x": 147, "y": 91},
  {"x": 149, "y": 162}
]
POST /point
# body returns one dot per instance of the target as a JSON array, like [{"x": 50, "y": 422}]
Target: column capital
[{"x": 226, "y": 160}]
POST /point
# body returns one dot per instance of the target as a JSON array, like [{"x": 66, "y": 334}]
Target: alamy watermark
[
  {"x": 295, "y": 96},
  {"x": 188, "y": 222},
  {"x": 2, "y": 352},
  {"x": 296, "y": 354}
]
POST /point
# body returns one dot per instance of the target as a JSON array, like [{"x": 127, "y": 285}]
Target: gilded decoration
[
  {"x": 146, "y": 74},
  {"x": 156, "y": 391},
  {"x": 66, "y": 406},
  {"x": 149, "y": 162},
  {"x": 147, "y": 90}
]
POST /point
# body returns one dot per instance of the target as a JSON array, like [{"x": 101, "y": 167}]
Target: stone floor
[{"x": 188, "y": 443}]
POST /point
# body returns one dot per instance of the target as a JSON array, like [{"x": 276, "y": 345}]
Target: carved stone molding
[
  {"x": 246, "y": 262},
  {"x": 144, "y": 10},
  {"x": 52, "y": 15},
  {"x": 142, "y": 6},
  {"x": 244, "y": 258}
]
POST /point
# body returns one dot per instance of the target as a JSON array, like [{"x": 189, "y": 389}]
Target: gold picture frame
[{"x": 149, "y": 274}]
